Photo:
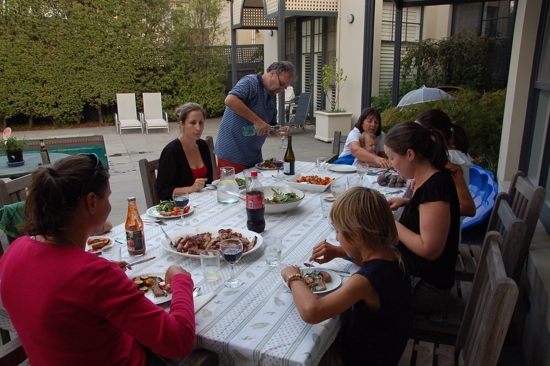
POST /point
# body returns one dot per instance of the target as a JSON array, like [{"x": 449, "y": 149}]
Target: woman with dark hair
[
  {"x": 429, "y": 226},
  {"x": 457, "y": 146},
  {"x": 369, "y": 121},
  {"x": 184, "y": 164},
  {"x": 72, "y": 307}
]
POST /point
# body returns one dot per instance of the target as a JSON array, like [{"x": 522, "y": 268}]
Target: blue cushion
[
  {"x": 484, "y": 189},
  {"x": 345, "y": 160}
]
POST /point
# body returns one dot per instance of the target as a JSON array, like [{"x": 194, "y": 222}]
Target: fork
[
  {"x": 167, "y": 237},
  {"x": 157, "y": 221}
]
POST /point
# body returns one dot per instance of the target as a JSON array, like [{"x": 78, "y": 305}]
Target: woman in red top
[
  {"x": 184, "y": 164},
  {"x": 72, "y": 307}
]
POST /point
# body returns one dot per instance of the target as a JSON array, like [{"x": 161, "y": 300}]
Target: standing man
[{"x": 251, "y": 102}]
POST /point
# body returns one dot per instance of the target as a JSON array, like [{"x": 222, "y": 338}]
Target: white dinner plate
[
  {"x": 174, "y": 235},
  {"x": 149, "y": 294},
  {"x": 152, "y": 211},
  {"x": 331, "y": 286},
  {"x": 341, "y": 168},
  {"x": 259, "y": 167},
  {"x": 89, "y": 248}
]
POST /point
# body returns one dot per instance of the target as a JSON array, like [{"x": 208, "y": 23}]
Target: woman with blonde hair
[
  {"x": 184, "y": 164},
  {"x": 376, "y": 300}
]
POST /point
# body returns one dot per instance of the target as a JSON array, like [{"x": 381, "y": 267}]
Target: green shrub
[{"x": 479, "y": 114}]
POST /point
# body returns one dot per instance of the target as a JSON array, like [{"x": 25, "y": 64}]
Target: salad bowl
[{"x": 282, "y": 194}]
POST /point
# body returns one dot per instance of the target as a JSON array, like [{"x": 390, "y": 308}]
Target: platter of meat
[
  {"x": 321, "y": 280},
  {"x": 191, "y": 242},
  {"x": 153, "y": 286}
]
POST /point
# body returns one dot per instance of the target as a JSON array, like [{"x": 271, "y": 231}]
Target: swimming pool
[{"x": 73, "y": 146}]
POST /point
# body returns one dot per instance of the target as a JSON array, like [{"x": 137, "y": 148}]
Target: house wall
[{"x": 437, "y": 21}]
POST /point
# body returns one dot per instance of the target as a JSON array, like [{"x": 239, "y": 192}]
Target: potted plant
[
  {"x": 335, "y": 119},
  {"x": 14, "y": 148}
]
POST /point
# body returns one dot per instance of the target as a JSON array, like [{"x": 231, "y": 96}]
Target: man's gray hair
[{"x": 283, "y": 66}]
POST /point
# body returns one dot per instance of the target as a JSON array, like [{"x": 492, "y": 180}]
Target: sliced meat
[
  {"x": 157, "y": 291},
  {"x": 320, "y": 285},
  {"x": 325, "y": 276}
]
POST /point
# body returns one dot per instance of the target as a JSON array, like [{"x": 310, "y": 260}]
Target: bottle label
[
  {"x": 255, "y": 201},
  {"x": 135, "y": 241},
  {"x": 289, "y": 167},
  {"x": 45, "y": 157}
]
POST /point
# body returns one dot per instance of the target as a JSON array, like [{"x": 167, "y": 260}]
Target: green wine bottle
[{"x": 289, "y": 158}]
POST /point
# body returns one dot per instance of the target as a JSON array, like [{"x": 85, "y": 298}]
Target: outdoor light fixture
[{"x": 351, "y": 18}]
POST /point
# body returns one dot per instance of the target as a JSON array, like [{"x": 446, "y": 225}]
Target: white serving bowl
[
  {"x": 291, "y": 182},
  {"x": 281, "y": 207}
]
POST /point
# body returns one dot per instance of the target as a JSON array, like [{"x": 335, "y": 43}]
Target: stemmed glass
[
  {"x": 282, "y": 135},
  {"x": 362, "y": 169},
  {"x": 182, "y": 200},
  {"x": 278, "y": 164},
  {"x": 232, "y": 250}
]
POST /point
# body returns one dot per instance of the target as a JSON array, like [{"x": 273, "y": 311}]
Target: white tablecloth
[{"x": 256, "y": 323}]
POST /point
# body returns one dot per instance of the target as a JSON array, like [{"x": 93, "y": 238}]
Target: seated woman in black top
[
  {"x": 184, "y": 164},
  {"x": 430, "y": 223}
]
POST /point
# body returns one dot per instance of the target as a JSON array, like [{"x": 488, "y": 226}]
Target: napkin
[{"x": 200, "y": 301}]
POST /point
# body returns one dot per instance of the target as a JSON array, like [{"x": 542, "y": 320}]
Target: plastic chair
[
  {"x": 153, "y": 116},
  {"x": 484, "y": 189},
  {"x": 127, "y": 117},
  {"x": 301, "y": 114}
]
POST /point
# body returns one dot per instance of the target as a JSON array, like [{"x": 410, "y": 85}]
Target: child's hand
[
  {"x": 327, "y": 251},
  {"x": 288, "y": 271},
  {"x": 396, "y": 202}
]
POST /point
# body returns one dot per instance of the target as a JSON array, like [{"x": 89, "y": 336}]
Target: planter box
[{"x": 326, "y": 123}]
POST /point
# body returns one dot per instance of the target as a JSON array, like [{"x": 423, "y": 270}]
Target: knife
[{"x": 129, "y": 265}]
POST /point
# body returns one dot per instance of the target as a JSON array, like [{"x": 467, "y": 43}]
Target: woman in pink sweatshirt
[{"x": 71, "y": 307}]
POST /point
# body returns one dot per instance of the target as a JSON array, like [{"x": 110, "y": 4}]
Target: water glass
[
  {"x": 112, "y": 252},
  {"x": 338, "y": 186},
  {"x": 210, "y": 262},
  {"x": 326, "y": 205},
  {"x": 273, "y": 248},
  {"x": 321, "y": 163}
]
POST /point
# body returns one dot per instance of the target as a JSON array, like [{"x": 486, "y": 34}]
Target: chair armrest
[
  {"x": 116, "y": 118},
  {"x": 141, "y": 117},
  {"x": 165, "y": 116}
]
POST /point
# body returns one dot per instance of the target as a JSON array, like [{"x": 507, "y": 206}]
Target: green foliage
[
  {"x": 461, "y": 60},
  {"x": 479, "y": 114},
  {"x": 384, "y": 100},
  {"x": 13, "y": 143},
  {"x": 333, "y": 78}
]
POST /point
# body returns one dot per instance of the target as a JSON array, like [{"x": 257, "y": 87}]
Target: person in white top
[
  {"x": 369, "y": 120},
  {"x": 457, "y": 151}
]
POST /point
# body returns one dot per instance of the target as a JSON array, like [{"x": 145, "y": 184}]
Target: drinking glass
[
  {"x": 321, "y": 163},
  {"x": 362, "y": 169},
  {"x": 278, "y": 164},
  {"x": 232, "y": 250},
  {"x": 282, "y": 135},
  {"x": 210, "y": 262},
  {"x": 273, "y": 249},
  {"x": 182, "y": 200},
  {"x": 338, "y": 186}
]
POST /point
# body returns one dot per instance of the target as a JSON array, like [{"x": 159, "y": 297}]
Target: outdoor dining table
[
  {"x": 32, "y": 162},
  {"x": 256, "y": 323}
]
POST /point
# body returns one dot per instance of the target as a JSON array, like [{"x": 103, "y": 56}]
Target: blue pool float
[{"x": 484, "y": 189}]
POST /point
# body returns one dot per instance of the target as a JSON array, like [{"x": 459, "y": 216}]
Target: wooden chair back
[
  {"x": 489, "y": 309},
  {"x": 337, "y": 144},
  {"x": 14, "y": 190},
  {"x": 148, "y": 171},
  {"x": 210, "y": 141}
]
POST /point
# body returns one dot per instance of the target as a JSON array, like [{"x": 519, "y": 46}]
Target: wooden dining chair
[
  {"x": 337, "y": 143},
  {"x": 15, "y": 190},
  {"x": 486, "y": 318},
  {"x": 210, "y": 141},
  {"x": 148, "y": 171}
]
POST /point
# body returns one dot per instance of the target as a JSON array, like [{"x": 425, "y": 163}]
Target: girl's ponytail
[{"x": 460, "y": 139}]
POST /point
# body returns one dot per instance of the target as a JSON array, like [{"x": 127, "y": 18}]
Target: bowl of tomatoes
[{"x": 316, "y": 183}]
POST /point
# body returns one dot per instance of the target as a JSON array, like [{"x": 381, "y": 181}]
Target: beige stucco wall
[
  {"x": 271, "y": 51},
  {"x": 521, "y": 62},
  {"x": 437, "y": 21}
]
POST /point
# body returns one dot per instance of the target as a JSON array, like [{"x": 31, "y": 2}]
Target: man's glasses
[
  {"x": 281, "y": 85},
  {"x": 98, "y": 166}
]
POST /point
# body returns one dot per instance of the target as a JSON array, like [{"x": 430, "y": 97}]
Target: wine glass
[
  {"x": 362, "y": 169},
  {"x": 337, "y": 187},
  {"x": 282, "y": 135},
  {"x": 232, "y": 250},
  {"x": 182, "y": 200},
  {"x": 278, "y": 164}
]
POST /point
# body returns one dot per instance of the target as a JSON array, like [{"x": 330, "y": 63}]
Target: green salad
[
  {"x": 240, "y": 182},
  {"x": 280, "y": 197},
  {"x": 166, "y": 206}
]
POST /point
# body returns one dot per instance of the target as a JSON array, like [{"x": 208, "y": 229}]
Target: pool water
[{"x": 73, "y": 146}]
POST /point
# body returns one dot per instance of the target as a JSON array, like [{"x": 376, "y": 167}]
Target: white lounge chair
[
  {"x": 154, "y": 117},
  {"x": 127, "y": 116}
]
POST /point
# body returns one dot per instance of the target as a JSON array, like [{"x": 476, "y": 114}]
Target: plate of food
[
  {"x": 281, "y": 199},
  {"x": 341, "y": 168},
  {"x": 314, "y": 183},
  {"x": 321, "y": 280},
  {"x": 190, "y": 242},
  {"x": 168, "y": 210},
  {"x": 95, "y": 244},
  {"x": 267, "y": 165},
  {"x": 153, "y": 286},
  {"x": 240, "y": 182}
]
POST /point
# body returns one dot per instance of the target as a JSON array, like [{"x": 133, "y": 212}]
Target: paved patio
[{"x": 124, "y": 152}]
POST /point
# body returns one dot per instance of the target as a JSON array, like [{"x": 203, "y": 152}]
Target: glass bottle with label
[
  {"x": 44, "y": 154},
  {"x": 289, "y": 158},
  {"x": 135, "y": 235}
]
